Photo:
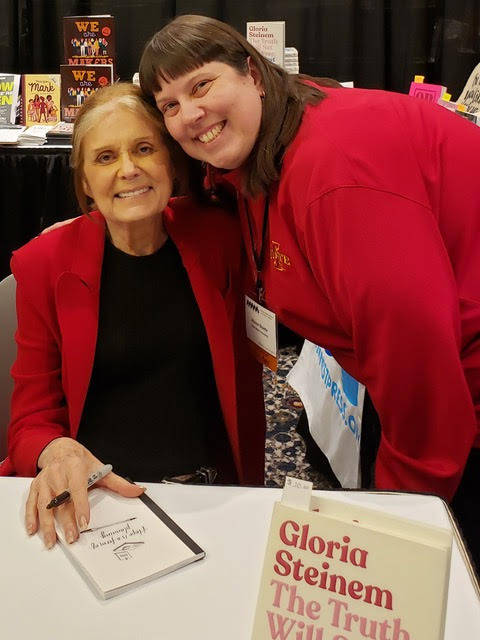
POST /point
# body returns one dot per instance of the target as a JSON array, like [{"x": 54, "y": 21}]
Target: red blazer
[{"x": 58, "y": 281}]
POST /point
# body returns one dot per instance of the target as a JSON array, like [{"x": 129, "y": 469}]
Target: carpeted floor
[{"x": 284, "y": 447}]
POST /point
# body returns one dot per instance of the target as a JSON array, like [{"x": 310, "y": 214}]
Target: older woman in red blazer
[{"x": 131, "y": 346}]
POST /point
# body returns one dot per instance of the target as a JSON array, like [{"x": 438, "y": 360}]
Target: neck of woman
[{"x": 139, "y": 238}]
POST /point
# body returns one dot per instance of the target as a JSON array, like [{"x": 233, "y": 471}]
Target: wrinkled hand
[
  {"x": 56, "y": 225},
  {"x": 66, "y": 464}
]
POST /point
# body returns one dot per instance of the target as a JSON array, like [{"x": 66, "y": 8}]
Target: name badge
[{"x": 262, "y": 333}]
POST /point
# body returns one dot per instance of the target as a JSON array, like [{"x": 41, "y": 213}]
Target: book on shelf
[
  {"x": 269, "y": 39},
  {"x": 89, "y": 39},
  {"x": 470, "y": 95},
  {"x": 79, "y": 81},
  {"x": 60, "y": 134},
  {"x": 40, "y": 98},
  {"x": 291, "y": 64},
  {"x": 34, "y": 136},
  {"x": 426, "y": 91},
  {"x": 61, "y": 129},
  {"x": 9, "y": 135},
  {"x": 129, "y": 542},
  {"x": 473, "y": 116},
  {"x": 447, "y": 102},
  {"x": 9, "y": 94},
  {"x": 334, "y": 569}
]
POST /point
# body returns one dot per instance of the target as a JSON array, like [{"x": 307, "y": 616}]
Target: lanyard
[{"x": 258, "y": 255}]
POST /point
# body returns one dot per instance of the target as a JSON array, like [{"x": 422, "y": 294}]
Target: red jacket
[
  {"x": 58, "y": 279},
  {"x": 374, "y": 247}
]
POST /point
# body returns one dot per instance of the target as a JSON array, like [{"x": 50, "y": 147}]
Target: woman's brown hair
[
  {"x": 103, "y": 101},
  {"x": 190, "y": 41}
]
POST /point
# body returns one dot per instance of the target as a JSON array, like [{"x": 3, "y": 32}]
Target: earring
[{"x": 262, "y": 95}]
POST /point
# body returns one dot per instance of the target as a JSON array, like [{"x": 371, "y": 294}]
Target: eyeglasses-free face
[
  {"x": 127, "y": 168},
  {"x": 213, "y": 112}
]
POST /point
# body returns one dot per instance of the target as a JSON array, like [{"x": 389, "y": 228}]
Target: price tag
[{"x": 297, "y": 493}]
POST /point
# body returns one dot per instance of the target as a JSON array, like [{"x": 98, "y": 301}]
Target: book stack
[
  {"x": 10, "y": 133},
  {"x": 34, "y": 136},
  {"x": 291, "y": 60},
  {"x": 60, "y": 134},
  {"x": 89, "y": 45}
]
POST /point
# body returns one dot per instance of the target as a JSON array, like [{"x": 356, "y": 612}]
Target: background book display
[
  {"x": 470, "y": 96},
  {"x": 269, "y": 39},
  {"x": 40, "y": 98},
  {"x": 426, "y": 91},
  {"x": 9, "y": 92},
  {"x": 79, "y": 81},
  {"x": 89, "y": 39},
  {"x": 332, "y": 568}
]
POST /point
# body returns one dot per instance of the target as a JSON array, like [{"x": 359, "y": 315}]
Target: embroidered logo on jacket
[{"x": 279, "y": 259}]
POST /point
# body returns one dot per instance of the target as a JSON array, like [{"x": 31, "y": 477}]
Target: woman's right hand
[{"x": 66, "y": 464}]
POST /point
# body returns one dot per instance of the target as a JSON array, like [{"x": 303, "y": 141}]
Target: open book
[
  {"x": 129, "y": 541},
  {"x": 334, "y": 569}
]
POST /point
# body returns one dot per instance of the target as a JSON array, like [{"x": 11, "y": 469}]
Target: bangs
[{"x": 178, "y": 49}]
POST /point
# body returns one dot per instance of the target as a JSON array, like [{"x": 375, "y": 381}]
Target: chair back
[{"x": 8, "y": 352}]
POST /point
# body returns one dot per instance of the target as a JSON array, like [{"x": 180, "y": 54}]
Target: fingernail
[
  {"x": 70, "y": 536},
  {"x": 49, "y": 542},
  {"x": 83, "y": 522},
  {"x": 30, "y": 528}
]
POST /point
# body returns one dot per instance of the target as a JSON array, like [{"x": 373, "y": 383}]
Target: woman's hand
[{"x": 66, "y": 464}]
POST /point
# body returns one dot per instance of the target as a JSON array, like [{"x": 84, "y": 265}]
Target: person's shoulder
[
  {"x": 369, "y": 112},
  {"x": 208, "y": 231},
  {"x": 50, "y": 248},
  {"x": 201, "y": 219}
]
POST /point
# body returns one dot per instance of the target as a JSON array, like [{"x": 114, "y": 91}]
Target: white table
[{"x": 43, "y": 596}]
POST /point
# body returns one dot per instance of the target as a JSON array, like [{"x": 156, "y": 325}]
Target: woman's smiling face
[
  {"x": 213, "y": 112},
  {"x": 127, "y": 169}
]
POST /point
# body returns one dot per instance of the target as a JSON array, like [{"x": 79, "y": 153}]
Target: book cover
[
  {"x": 9, "y": 92},
  {"x": 425, "y": 91},
  {"x": 344, "y": 572},
  {"x": 470, "y": 96},
  {"x": 129, "y": 541},
  {"x": 269, "y": 39},
  {"x": 9, "y": 135},
  {"x": 61, "y": 129},
  {"x": 34, "y": 135},
  {"x": 473, "y": 116},
  {"x": 89, "y": 39},
  {"x": 79, "y": 81},
  {"x": 40, "y": 98}
]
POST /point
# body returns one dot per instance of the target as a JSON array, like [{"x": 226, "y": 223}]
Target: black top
[{"x": 152, "y": 407}]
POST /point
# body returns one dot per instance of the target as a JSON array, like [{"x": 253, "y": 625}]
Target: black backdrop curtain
[{"x": 380, "y": 44}]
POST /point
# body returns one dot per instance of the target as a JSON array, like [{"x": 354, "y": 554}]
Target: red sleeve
[
  {"x": 38, "y": 411},
  {"x": 386, "y": 272}
]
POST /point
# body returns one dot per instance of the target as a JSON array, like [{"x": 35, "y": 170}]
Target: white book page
[{"x": 125, "y": 543}]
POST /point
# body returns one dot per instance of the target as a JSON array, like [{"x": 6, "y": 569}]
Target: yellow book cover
[
  {"x": 344, "y": 572},
  {"x": 40, "y": 98}
]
